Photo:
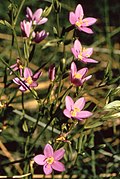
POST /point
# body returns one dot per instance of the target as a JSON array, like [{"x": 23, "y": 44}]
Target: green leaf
[
  {"x": 47, "y": 11},
  {"x": 113, "y": 105},
  {"x": 25, "y": 127},
  {"x": 6, "y": 23},
  {"x": 93, "y": 125}
]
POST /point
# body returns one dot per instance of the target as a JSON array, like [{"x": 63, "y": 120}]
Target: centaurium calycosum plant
[
  {"x": 55, "y": 72},
  {"x": 26, "y": 80}
]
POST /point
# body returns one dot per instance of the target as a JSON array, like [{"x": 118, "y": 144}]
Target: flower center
[
  {"x": 50, "y": 160},
  {"x": 29, "y": 80},
  {"x": 78, "y": 75},
  {"x": 74, "y": 112},
  {"x": 79, "y": 23}
]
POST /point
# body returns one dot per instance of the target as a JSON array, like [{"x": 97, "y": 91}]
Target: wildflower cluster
[
  {"x": 77, "y": 77},
  {"x": 27, "y": 80}
]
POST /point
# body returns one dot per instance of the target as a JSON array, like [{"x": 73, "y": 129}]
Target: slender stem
[
  {"x": 20, "y": 7},
  {"x": 39, "y": 135},
  {"x": 58, "y": 24}
]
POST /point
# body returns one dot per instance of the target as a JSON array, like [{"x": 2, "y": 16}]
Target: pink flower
[
  {"x": 29, "y": 80},
  {"x": 26, "y": 28},
  {"x": 82, "y": 54},
  {"x": 78, "y": 77},
  {"x": 51, "y": 72},
  {"x": 77, "y": 20},
  {"x": 36, "y": 17},
  {"x": 74, "y": 110},
  {"x": 39, "y": 36},
  {"x": 50, "y": 159},
  {"x": 17, "y": 66}
]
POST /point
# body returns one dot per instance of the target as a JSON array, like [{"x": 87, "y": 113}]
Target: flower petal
[
  {"x": 69, "y": 103},
  {"x": 73, "y": 69},
  {"x": 83, "y": 72},
  {"x": 37, "y": 14},
  {"x": 58, "y": 166},
  {"x": 87, "y": 52},
  {"x": 72, "y": 18},
  {"x": 48, "y": 151},
  {"x": 58, "y": 154},
  {"x": 89, "y": 60},
  {"x": 47, "y": 169},
  {"x": 29, "y": 13},
  {"x": 77, "y": 46},
  {"x": 34, "y": 84},
  {"x": 83, "y": 114},
  {"x": 88, "y": 21},
  {"x": 67, "y": 113},
  {"x": 79, "y": 12},
  {"x": 42, "y": 21},
  {"x": 36, "y": 75},
  {"x": 80, "y": 103},
  {"x": 86, "y": 29},
  {"x": 17, "y": 81},
  {"x": 40, "y": 159},
  {"x": 27, "y": 72}
]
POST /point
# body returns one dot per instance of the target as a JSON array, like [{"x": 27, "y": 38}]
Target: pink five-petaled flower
[
  {"x": 74, "y": 110},
  {"x": 81, "y": 53},
  {"x": 36, "y": 17},
  {"x": 28, "y": 81},
  {"x": 39, "y": 36},
  {"x": 26, "y": 28},
  {"x": 78, "y": 77},
  {"x": 50, "y": 159},
  {"x": 77, "y": 20},
  {"x": 17, "y": 66}
]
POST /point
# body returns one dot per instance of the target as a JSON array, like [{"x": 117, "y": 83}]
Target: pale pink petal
[
  {"x": 58, "y": 154},
  {"x": 58, "y": 166},
  {"x": 67, "y": 113},
  {"x": 87, "y": 52},
  {"x": 47, "y": 169},
  {"x": 73, "y": 68},
  {"x": 29, "y": 13},
  {"x": 86, "y": 29},
  {"x": 40, "y": 159},
  {"x": 72, "y": 18},
  {"x": 37, "y": 14},
  {"x": 86, "y": 78},
  {"x": 79, "y": 12},
  {"x": 83, "y": 114},
  {"x": 77, "y": 45},
  {"x": 42, "y": 21},
  {"x": 34, "y": 84},
  {"x": 88, "y": 21},
  {"x": 17, "y": 81},
  {"x": 48, "y": 151},
  {"x": 80, "y": 103},
  {"x": 89, "y": 60},
  {"x": 14, "y": 65},
  {"x": 83, "y": 72},
  {"x": 27, "y": 72},
  {"x": 69, "y": 103},
  {"x": 75, "y": 53},
  {"x": 36, "y": 75},
  {"x": 23, "y": 88},
  {"x": 27, "y": 28}
]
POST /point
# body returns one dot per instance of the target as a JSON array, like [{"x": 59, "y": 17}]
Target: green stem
[{"x": 18, "y": 12}]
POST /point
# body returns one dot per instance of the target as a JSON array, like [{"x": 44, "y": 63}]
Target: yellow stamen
[
  {"x": 50, "y": 160},
  {"x": 29, "y": 80},
  {"x": 78, "y": 75},
  {"x": 79, "y": 23},
  {"x": 74, "y": 112}
]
